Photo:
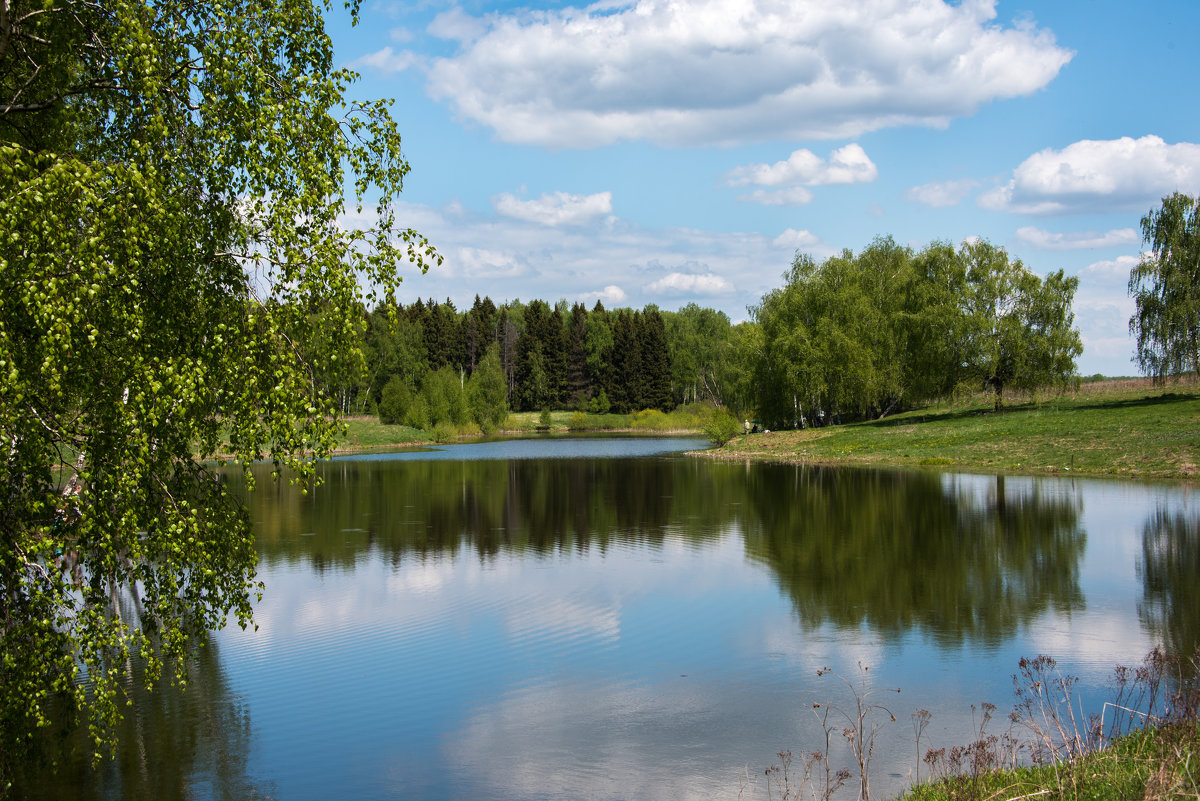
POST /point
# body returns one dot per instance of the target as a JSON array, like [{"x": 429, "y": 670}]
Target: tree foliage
[
  {"x": 861, "y": 335},
  {"x": 1165, "y": 286},
  {"x": 173, "y": 261}
]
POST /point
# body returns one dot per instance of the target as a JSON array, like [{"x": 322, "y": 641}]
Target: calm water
[{"x": 611, "y": 619}]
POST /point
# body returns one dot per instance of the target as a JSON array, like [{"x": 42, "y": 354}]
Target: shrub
[
  {"x": 395, "y": 401},
  {"x": 722, "y": 427}
]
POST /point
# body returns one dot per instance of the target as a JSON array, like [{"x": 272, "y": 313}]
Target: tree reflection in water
[
  {"x": 171, "y": 742},
  {"x": 897, "y": 551},
  {"x": 1170, "y": 572},
  {"x": 892, "y": 550}
]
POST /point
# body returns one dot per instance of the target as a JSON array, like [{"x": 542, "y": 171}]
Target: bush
[
  {"x": 650, "y": 419},
  {"x": 600, "y": 404},
  {"x": 722, "y": 427},
  {"x": 444, "y": 432},
  {"x": 395, "y": 402},
  {"x": 578, "y": 421}
]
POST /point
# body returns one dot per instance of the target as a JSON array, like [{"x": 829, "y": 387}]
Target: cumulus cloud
[
  {"x": 487, "y": 263},
  {"x": 386, "y": 60},
  {"x": 846, "y": 165},
  {"x": 1045, "y": 240},
  {"x": 941, "y": 193},
  {"x": 791, "y": 238},
  {"x": 722, "y": 72},
  {"x": 1110, "y": 271},
  {"x": 1098, "y": 175},
  {"x": 559, "y": 208},
  {"x": 795, "y": 196},
  {"x": 691, "y": 284},
  {"x": 611, "y": 295},
  {"x": 457, "y": 25}
]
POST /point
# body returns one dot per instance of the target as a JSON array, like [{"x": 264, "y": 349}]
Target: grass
[
  {"x": 1157, "y": 763},
  {"x": 1126, "y": 428},
  {"x": 366, "y": 434}
]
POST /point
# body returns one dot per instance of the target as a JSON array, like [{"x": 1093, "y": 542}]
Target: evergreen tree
[
  {"x": 534, "y": 381},
  {"x": 478, "y": 332},
  {"x": 578, "y": 383},
  {"x": 655, "y": 361},
  {"x": 625, "y": 392}
]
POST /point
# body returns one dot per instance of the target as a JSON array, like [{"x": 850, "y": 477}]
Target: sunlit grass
[{"x": 1124, "y": 428}]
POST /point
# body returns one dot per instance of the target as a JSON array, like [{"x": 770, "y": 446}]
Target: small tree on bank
[{"x": 1165, "y": 286}]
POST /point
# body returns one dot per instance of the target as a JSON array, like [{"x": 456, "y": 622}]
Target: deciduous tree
[
  {"x": 173, "y": 207},
  {"x": 1165, "y": 286}
]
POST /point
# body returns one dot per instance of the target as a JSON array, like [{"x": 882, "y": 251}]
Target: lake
[{"x": 614, "y": 619}]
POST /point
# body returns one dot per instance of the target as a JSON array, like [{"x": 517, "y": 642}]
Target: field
[{"x": 1128, "y": 428}]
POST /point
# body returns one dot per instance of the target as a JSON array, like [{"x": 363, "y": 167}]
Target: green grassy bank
[
  {"x": 367, "y": 434},
  {"x": 1126, "y": 428},
  {"x": 1161, "y": 762}
]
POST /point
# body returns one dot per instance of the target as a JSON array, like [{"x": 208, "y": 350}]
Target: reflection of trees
[
  {"x": 168, "y": 740},
  {"x": 422, "y": 508},
  {"x": 899, "y": 550},
  {"x": 891, "y": 550},
  {"x": 1170, "y": 573}
]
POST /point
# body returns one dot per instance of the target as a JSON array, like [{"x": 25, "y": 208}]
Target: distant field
[
  {"x": 368, "y": 434},
  {"x": 1121, "y": 427}
]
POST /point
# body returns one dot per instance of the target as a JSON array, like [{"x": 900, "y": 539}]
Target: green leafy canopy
[
  {"x": 1165, "y": 286},
  {"x": 175, "y": 183}
]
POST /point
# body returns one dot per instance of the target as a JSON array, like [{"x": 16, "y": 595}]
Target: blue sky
[{"x": 668, "y": 152}]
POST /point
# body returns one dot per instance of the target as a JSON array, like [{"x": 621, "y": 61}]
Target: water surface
[{"x": 611, "y": 619}]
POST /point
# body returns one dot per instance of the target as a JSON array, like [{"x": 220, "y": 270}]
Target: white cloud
[
  {"x": 611, "y": 295},
  {"x": 791, "y": 238},
  {"x": 486, "y": 263},
  {"x": 716, "y": 71},
  {"x": 1117, "y": 268},
  {"x": 1098, "y": 175},
  {"x": 846, "y": 165},
  {"x": 941, "y": 193},
  {"x": 691, "y": 284},
  {"x": 457, "y": 25},
  {"x": 796, "y": 196},
  {"x": 386, "y": 60},
  {"x": 559, "y": 208},
  {"x": 617, "y": 262},
  {"x": 1102, "y": 310},
  {"x": 1083, "y": 240}
]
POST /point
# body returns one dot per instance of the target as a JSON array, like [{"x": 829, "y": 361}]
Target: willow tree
[
  {"x": 1019, "y": 328},
  {"x": 175, "y": 180},
  {"x": 1165, "y": 286}
]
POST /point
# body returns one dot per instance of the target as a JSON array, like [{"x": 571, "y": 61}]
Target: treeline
[
  {"x": 863, "y": 335},
  {"x": 855, "y": 336},
  {"x": 428, "y": 364}
]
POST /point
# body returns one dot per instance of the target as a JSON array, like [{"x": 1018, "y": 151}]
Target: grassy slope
[
  {"x": 1153, "y": 764},
  {"x": 366, "y": 434},
  {"x": 1125, "y": 428}
]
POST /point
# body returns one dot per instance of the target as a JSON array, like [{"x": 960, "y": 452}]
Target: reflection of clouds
[
  {"x": 581, "y": 742},
  {"x": 1093, "y": 643},
  {"x": 425, "y": 577},
  {"x": 643, "y": 667},
  {"x": 563, "y": 618}
]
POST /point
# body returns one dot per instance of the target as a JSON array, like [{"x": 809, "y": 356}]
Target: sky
[{"x": 683, "y": 151}]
